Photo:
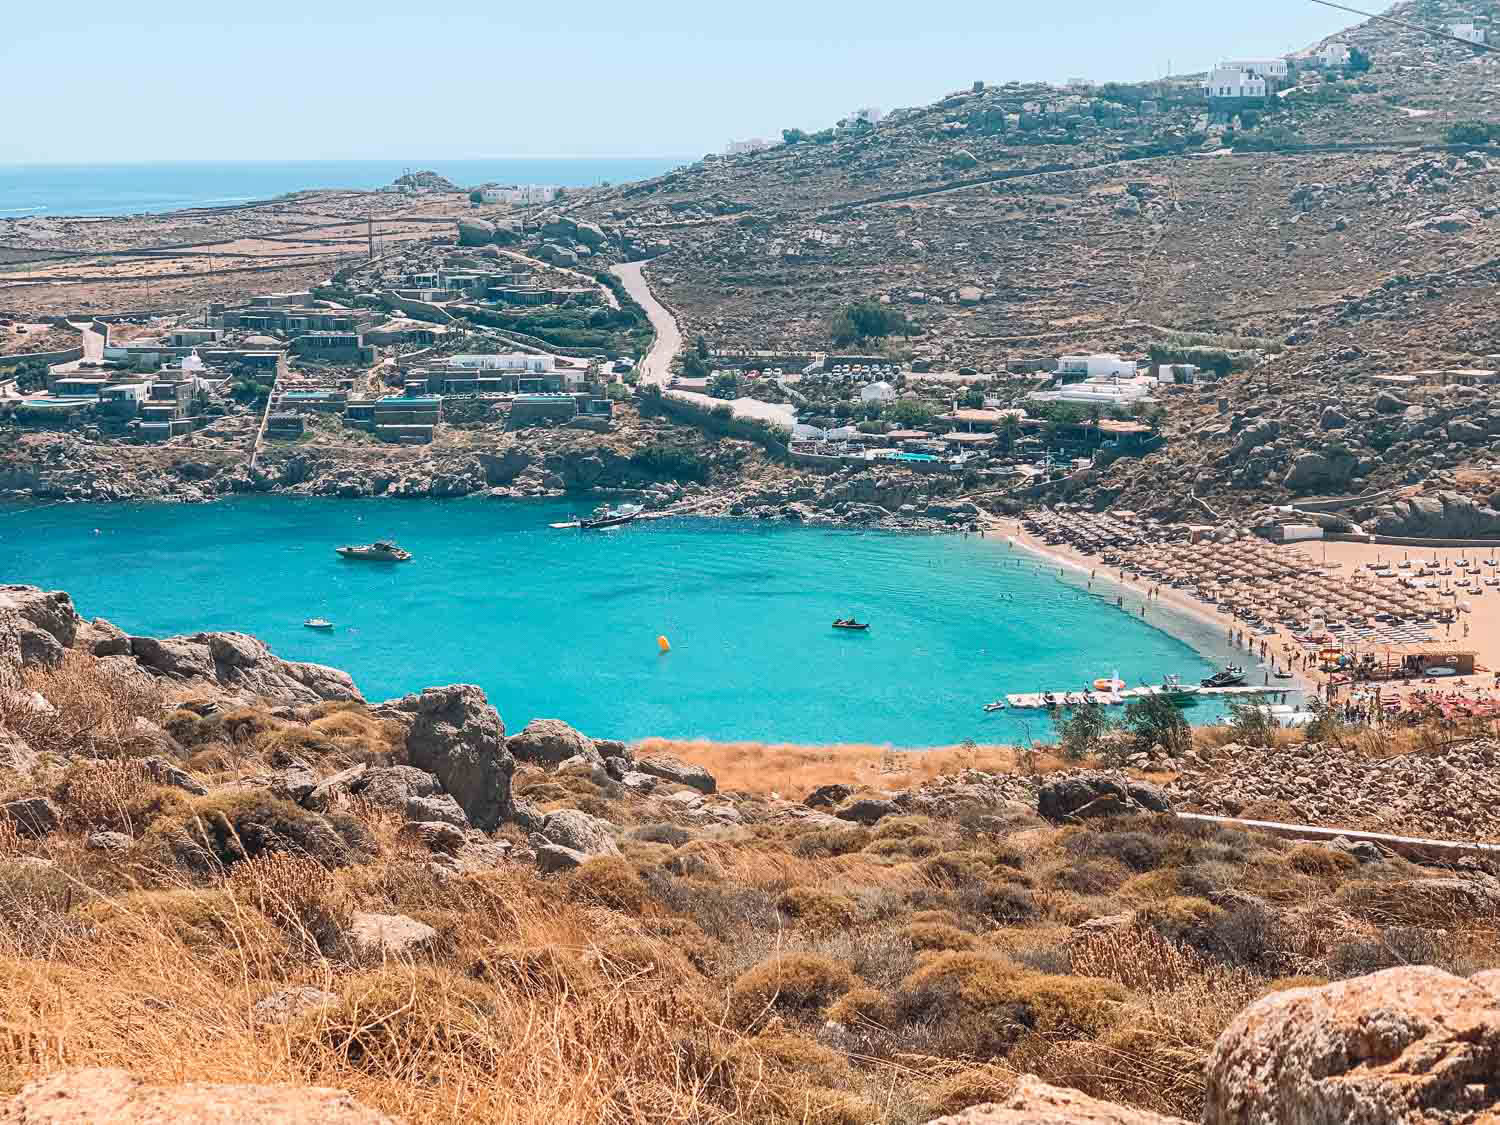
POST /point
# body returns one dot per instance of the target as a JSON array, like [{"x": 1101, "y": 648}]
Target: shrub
[
  {"x": 1003, "y": 902},
  {"x": 608, "y": 881},
  {"x": 825, "y": 843},
  {"x": 530, "y": 971},
  {"x": 675, "y": 462},
  {"x": 669, "y": 834},
  {"x": 299, "y": 895},
  {"x": 792, "y": 984},
  {"x": 935, "y": 936},
  {"x": 905, "y": 847},
  {"x": 816, "y": 909},
  {"x": 970, "y": 1087},
  {"x": 955, "y": 869},
  {"x": 210, "y": 923},
  {"x": 867, "y": 1007},
  {"x": 224, "y": 828},
  {"x": 1471, "y": 133},
  {"x": 1136, "y": 850},
  {"x": 114, "y": 794},
  {"x": 1314, "y": 859}
]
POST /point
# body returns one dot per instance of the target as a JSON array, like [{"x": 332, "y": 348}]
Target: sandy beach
[{"x": 1477, "y": 627}]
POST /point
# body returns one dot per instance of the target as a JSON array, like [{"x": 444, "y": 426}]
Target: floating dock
[{"x": 1037, "y": 701}]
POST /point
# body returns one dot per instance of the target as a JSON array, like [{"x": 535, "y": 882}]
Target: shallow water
[{"x": 560, "y": 623}]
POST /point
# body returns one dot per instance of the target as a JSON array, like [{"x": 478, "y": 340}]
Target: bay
[{"x": 563, "y": 624}]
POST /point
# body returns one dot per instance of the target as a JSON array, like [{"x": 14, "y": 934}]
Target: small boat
[
  {"x": 317, "y": 623},
  {"x": 998, "y": 705},
  {"x": 1109, "y": 684},
  {"x": 850, "y": 623},
  {"x": 606, "y": 516},
  {"x": 1440, "y": 670},
  {"x": 382, "y": 550},
  {"x": 1175, "y": 691},
  {"x": 1232, "y": 676}
]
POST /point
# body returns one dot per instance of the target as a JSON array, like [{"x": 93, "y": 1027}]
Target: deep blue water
[
  {"x": 559, "y": 623},
  {"x": 127, "y": 189}
]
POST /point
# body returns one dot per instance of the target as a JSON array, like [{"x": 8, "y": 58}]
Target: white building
[
  {"x": 877, "y": 392},
  {"x": 870, "y": 115},
  {"x": 754, "y": 144},
  {"x": 1270, "y": 69},
  {"x": 524, "y": 195},
  {"x": 1467, "y": 32},
  {"x": 1105, "y": 393},
  {"x": 1334, "y": 54},
  {"x": 1234, "y": 83},
  {"x": 505, "y": 361},
  {"x": 1097, "y": 366}
]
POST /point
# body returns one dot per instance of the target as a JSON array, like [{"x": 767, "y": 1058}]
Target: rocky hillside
[{"x": 234, "y": 890}]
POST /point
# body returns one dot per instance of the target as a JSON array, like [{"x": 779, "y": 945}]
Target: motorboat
[
  {"x": 606, "y": 516},
  {"x": 1175, "y": 691},
  {"x": 998, "y": 705},
  {"x": 850, "y": 623},
  {"x": 382, "y": 550},
  {"x": 317, "y": 623},
  {"x": 1232, "y": 676}
]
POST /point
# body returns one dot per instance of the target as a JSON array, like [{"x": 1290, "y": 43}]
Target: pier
[{"x": 1038, "y": 700}]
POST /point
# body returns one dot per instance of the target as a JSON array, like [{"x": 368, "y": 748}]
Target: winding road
[{"x": 656, "y": 367}]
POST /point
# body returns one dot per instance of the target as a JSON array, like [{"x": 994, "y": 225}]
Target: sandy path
[{"x": 656, "y": 367}]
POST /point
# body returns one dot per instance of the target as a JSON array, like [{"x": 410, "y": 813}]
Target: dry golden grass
[{"x": 793, "y": 771}]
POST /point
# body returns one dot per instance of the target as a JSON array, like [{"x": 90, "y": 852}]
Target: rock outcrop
[
  {"x": 1034, "y": 1102},
  {"x": 244, "y": 666},
  {"x": 113, "y": 1097},
  {"x": 1400, "y": 1047},
  {"x": 1093, "y": 793},
  {"x": 458, "y": 736},
  {"x": 36, "y": 626},
  {"x": 549, "y": 742},
  {"x": 668, "y": 768}
]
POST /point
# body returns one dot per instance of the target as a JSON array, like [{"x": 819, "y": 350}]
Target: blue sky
[{"x": 274, "y": 79}]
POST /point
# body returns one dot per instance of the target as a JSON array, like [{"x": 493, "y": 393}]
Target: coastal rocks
[
  {"x": 1407, "y": 1045},
  {"x": 390, "y": 936},
  {"x": 459, "y": 737},
  {"x": 678, "y": 772},
  {"x": 332, "y": 790},
  {"x": 31, "y": 816},
  {"x": 410, "y": 792},
  {"x": 549, "y": 742},
  {"x": 828, "y": 796},
  {"x": 50, "y": 611},
  {"x": 113, "y": 1097},
  {"x": 1442, "y": 515},
  {"x": 1034, "y": 1102},
  {"x": 239, "y": 663},
  {"x": 1092, "y": 794},
  {"x": 108, "y": 639}
]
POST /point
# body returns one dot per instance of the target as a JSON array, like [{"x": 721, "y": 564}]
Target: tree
[
  {"x": 1081, "y": 731},
  {"x": 908, "y": 413},
  {"x": 868, "y": 320},
  {"x": 1359, "y": 62},
  {"x": 726, "y": 384},
  {"x": 1471, "y": 133},
  {"x": 793, "y": 136},
  {"x": 1154, "y": 720},
  {"x": 693, "y": 367},
  {"x": 974, "y": 398},
  {"x": 1252, "y": 724},
  {"x": 702, "y": 348}
]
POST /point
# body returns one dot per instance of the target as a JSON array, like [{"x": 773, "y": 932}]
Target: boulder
[
  {"x": 1332, "y": 418},
  {"x": 1096, "y": 793},
  {"x": 677, "y": 771},
  {"x": 1407, "y": 1045},
  {"x": 15, "y": 755},
  {"x": 867, "y": 810},
  {"x": 437, "y": 836},
  {"x": 288, "y": 1003},
  {"x": 98, "y": 1096},
  {"x": 558, "y": 255},
  {"x": 39, "y": 648},
  {"x": 549, "y": 742},
  {"x": 390, "y": 935},
  {"x": 551, "y": 858},
  {"x": 332, "y": 789},
  {"x": 390, "y": 787},
  {"x": 475, "y": 232},
  {"x": 1034, "y": 1102},
  {"x": 32, "y": 816},
  {"x": 107, "y": 841},
  {"x": 1331, "y": 470},
  {"x": 970, "y": 295},
  {"x": 578, "y": 831},
  {"x": 1387, "y": 403},
  {"x": 50, "y": 611},
  {"x": 109, "y": 639},
  {"x": 459, "y": 737},
  {"x": 828, "y": 796},
  {"x": 163, "y": 772}
]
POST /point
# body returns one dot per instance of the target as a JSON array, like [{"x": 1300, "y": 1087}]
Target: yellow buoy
[{"x": 663, "y": 644}]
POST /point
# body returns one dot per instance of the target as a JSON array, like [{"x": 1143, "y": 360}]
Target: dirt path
[{"x": 656, "y": 367}]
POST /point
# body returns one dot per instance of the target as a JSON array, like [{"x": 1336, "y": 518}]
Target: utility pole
[{"x": 370, "y": 233}]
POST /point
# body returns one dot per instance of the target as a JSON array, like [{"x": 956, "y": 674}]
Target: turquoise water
[
  {"x": 561, "y": 623},
  {"x": 127, "y": 189}
]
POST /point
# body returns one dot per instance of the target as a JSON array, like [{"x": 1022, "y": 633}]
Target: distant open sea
[{"x": 129, "y": 189}]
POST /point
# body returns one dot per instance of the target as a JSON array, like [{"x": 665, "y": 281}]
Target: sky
[{"x": 292, "y": 80}]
